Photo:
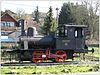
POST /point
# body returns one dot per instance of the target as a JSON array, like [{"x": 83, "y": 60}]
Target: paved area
[{"x": 48, "y": 63}]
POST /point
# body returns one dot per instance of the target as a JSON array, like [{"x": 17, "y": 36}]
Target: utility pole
[{"x": 57, "y": 17}]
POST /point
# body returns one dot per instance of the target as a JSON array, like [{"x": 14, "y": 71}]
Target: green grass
[
  {"x": 50, "y": 69},
  {"x": 95, "y": 54},
  {"x": 96, "y": 51}
]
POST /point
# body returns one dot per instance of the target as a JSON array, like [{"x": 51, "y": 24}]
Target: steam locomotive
[{"x": 69, "y": 39}]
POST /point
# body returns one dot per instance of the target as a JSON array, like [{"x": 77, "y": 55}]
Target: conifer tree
[
  {"x": 49, "y": 23},
  {"x": 36, "y": 12}
]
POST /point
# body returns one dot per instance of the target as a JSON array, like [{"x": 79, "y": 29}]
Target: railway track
[
  {"x": 49, "y": 63},
  {"x": 88, "y": 60}
]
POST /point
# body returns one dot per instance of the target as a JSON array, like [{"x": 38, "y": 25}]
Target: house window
[
  {"x": 4, "y": 33},
  {"x": 3, "y": 24},
  {"x": 11, "y": 23},
  {"x": 8, "y": 24}
]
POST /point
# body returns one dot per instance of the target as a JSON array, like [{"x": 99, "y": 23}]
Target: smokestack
[{"x": 21, "y": 23}]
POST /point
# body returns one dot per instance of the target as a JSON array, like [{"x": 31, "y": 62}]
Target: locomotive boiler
[{"x": 69, "y": 39}]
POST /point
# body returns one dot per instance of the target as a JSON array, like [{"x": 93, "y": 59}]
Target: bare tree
[
  {"x": 20, "y": 13},
  {"x": 93, "y": 8}
]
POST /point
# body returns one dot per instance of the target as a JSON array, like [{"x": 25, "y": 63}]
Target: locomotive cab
[{"x": 71, "y": 37}]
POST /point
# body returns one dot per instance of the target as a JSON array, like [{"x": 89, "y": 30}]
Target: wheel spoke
[
  {"x": 37, "y": 56},
  {"x": 61, "y": 53}
]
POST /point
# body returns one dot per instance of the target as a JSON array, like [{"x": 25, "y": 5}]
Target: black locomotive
[{"x": 69, "y": 39}]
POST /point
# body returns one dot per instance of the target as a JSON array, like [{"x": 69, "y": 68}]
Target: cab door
[{"x": 79, "y": 38}]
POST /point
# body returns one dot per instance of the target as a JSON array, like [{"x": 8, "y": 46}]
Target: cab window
[
  {"x": 62, "y": 31},
  {"x": 79, "y": 33}
]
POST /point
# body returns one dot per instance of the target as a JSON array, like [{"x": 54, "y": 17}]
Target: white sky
[{"x": 30, "y": 6}]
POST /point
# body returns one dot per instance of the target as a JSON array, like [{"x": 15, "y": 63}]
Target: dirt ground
[{"x": 92, "y": 41}]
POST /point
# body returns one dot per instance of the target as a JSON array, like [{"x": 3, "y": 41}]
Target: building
[{"x": 8, "y": 26}]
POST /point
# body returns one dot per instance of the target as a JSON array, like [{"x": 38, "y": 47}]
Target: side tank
[{"x": 31, "y": 41}]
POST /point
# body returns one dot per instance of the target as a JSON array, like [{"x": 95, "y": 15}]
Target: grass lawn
[
  {"x": 95, "y": 54},
  {"x": 50, "y": 69},
  {"x": 96, "y": 51}
]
